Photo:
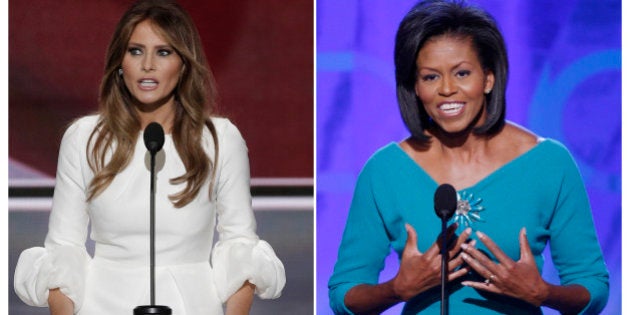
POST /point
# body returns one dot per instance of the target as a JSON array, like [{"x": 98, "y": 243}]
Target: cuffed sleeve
[
  {"x": 239, "y": 260},
  {"x": 39, "y": 270},
  {"x": 337, "y": 296}
]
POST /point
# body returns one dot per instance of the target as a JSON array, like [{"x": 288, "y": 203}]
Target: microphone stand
[
  {"x": 444, "y": 254},
  {"x": 445, "y": 203},
  {"x": 152, "y": 309}
]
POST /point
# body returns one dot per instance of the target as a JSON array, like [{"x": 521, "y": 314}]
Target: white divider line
[
  {"x": 32, "y": 182},
  {"x": 281, "y": 181},
  {"x": 258, "y": 203},
  {"x": 283, "y": 203},
  {"x": 30, "y": 204}
]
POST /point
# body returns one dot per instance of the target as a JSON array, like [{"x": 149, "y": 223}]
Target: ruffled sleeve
[
  {"x": 39, "y": 270},
  {"x": 239, "y": 255},
  {"x": 63, "y": 262},
  {"x": 238, "y": 260}
]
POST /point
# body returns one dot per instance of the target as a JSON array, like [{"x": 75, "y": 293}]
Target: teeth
[
  {"x": 148, "y": 83},
  {"x": 451, "y": 107}
]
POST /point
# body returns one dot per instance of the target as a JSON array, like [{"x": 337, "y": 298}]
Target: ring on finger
[{"x": 490, "y": 279}]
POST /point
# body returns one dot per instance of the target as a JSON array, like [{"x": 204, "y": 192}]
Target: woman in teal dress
[{"x": 517, "y": 192}]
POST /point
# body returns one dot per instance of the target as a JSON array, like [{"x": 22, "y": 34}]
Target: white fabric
[{"x": 117, "y": 279}]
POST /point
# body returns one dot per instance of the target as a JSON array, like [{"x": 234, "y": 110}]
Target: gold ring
[{"x": 489, "y": 279}]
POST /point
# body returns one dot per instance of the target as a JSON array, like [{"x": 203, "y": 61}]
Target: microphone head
[
  {"x": 154, "y": 137},
  {"x": 445, "y": 201}
]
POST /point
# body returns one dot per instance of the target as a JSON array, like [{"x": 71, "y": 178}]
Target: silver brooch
[{"x": 468, "y": 209}]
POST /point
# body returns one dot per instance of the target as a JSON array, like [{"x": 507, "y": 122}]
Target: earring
[
  {"x": 120, "y": 71},
  {"x": 486, "y": 91}
]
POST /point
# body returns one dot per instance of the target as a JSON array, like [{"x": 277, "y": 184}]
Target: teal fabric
[{"x": 541, "y": 190}]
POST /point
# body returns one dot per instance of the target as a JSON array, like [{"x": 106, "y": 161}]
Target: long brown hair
[{"x": 117, "y": 130}]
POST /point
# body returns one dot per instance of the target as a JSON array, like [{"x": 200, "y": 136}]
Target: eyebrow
[
  {"x": 453, "y": 67},
  {"x": 144, "y": 46}
]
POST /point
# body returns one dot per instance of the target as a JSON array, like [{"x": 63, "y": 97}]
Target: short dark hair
[{"x": 432, "y": 18}]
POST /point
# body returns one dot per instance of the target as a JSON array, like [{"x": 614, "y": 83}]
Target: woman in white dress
[{"x": 155, "y": 71}]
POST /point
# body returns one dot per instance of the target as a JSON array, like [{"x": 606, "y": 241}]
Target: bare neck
[{"x": 163, "y": 114}]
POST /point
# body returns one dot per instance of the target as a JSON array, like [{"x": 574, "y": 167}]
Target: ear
[{"x": 489, "y": 82}]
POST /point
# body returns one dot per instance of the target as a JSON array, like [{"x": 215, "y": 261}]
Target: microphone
[
  {"x": 153, "y": 141},
  {"x": 154, "y": 137},
  {"x": 445, "y": 203}
]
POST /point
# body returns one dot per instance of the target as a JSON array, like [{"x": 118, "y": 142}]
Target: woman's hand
[
  {"x": 241, "y": 301},
  {"x": 59, "y": 303},
  {"x": 519, "y": 279},
  {"x": 420, "y": 271}
]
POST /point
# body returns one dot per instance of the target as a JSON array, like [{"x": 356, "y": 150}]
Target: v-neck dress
[
  {"x": 540, "y": 190},
  {"x": 192, "y": 276}
]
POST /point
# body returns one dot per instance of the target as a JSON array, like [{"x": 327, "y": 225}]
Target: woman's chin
[
  {"x": 150, "y": 104},
  {"x": 454, "y": 129}
]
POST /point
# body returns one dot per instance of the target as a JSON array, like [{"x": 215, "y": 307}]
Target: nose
[
  {"x": 147, "y": 63},
  {"x": 447, "y": 87}
]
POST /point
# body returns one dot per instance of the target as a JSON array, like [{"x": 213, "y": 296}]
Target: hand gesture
[
  {"x": 519, "y": 279},
  {"x": 421, "y": 271}
]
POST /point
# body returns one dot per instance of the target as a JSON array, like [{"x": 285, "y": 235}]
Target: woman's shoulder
[
  {"x": 85, "y": 122},
  {"x": 384, "y": 159},
  {"x": 220, "y": 121},
  {"x": 81, "y": 127},
  {"x": 228, "y": 135},
  {"x": 519, "y": 138},
  {"x": 386, "y": 153},
  {"x": 524, "y": 141},
  {"x": 223, "y": 125}
]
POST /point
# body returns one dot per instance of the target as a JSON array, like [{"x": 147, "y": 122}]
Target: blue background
[{"x": 565, "y": 83}]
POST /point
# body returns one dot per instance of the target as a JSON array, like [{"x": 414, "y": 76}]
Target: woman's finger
[
  {"x": 490, "y": 287},
  {"x": 434, "y": 250},
  {"x": 475, "y": 264},
  {"x": 458, "y": 260},
  {"x": 458, "y": 273},
  {"x": 460, "y": 240},
  {"x": 412, "y": 239},
  {"x": 526, "y": 251},
  {"x": 494, "y": 249},
  {"x": 478, "y": 256}
]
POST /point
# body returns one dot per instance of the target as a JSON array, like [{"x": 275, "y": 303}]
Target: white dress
[{"x": 192, "y": 277}]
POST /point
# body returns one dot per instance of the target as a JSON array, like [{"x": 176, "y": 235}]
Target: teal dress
[{"x": 540, "y": 190}]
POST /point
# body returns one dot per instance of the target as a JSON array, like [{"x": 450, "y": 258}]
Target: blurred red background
[{"x": 261, "y": 53}]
